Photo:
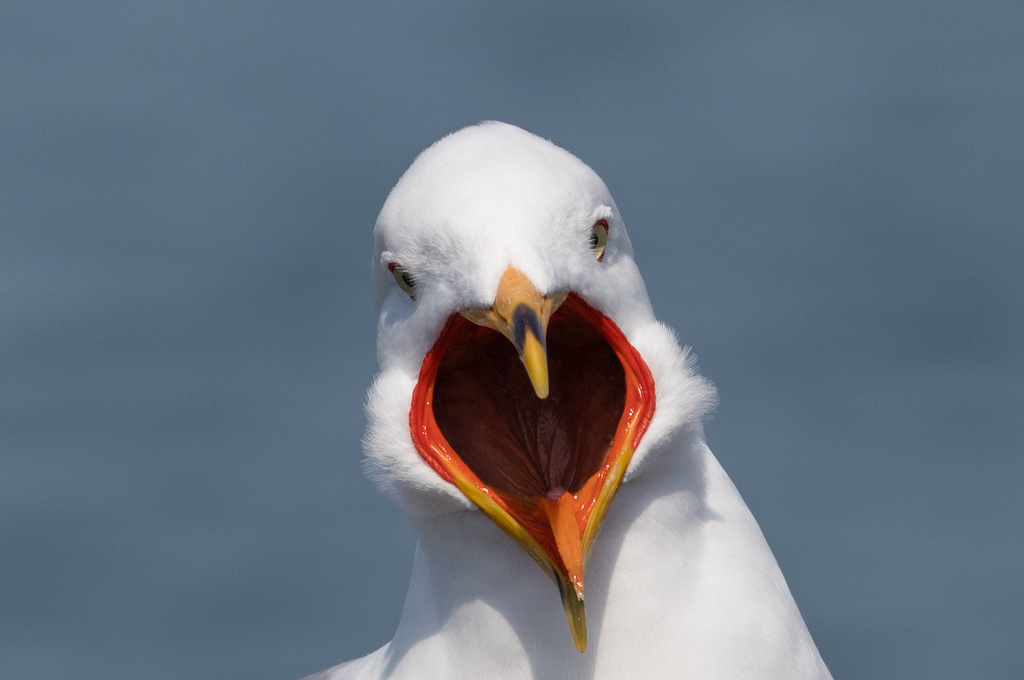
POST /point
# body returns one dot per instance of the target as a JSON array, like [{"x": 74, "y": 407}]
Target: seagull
[{"x": 543, "y": 432}]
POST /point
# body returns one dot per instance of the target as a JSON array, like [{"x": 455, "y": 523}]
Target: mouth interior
[{"x": 513, "y": 441}]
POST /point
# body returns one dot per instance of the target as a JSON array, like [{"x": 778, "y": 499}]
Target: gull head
[{"x": 518, "y": 351}]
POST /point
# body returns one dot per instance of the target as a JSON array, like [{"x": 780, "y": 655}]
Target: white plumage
[{"x": 680, "y": 582}]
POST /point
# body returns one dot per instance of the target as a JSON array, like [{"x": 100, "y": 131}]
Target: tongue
[{"x": 560, "y": 508}]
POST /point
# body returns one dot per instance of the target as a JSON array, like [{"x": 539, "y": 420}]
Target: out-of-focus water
[{"x": 826, "y": 202}]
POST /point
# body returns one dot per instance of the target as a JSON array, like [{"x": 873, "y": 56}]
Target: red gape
[{"x": 475, "y": 414}]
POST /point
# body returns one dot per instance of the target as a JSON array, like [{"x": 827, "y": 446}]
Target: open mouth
[
  {"x": 544, "y": 470},
  {"x": 516, "y": 443}
]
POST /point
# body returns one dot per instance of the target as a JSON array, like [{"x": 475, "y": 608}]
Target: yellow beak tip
[
  {"x": 536, "y": 362},
  {"x": 579, "y": 636},
  {"x": 541, "y": 390},
  {"x": 575, "y": 613}
]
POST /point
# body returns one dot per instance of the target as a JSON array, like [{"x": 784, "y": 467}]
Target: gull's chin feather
[
  {"x": 685, "y": 398},
  {"x": 391, "y": 459}
]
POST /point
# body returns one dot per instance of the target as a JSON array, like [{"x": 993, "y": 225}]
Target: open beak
[{"x": 542, "y": 454}]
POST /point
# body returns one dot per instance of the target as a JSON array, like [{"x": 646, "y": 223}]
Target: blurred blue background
[{"x": 826, "y": 201}]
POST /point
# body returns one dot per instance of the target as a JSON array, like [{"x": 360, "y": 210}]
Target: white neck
[{"x": 680, "y": 584}]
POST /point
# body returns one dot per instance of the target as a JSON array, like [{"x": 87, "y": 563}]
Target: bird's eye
[
  {"x": 598, "y": 239},
  {"x": 404, "y": 279}
]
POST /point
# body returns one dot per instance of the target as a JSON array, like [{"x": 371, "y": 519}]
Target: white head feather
[{"x": 480, "y": 200}]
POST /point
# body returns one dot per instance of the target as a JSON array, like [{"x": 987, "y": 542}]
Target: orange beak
[{"x": 585, "y": 385}]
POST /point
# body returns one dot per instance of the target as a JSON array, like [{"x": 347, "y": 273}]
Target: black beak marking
[{"x": 525, "y": 319}]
